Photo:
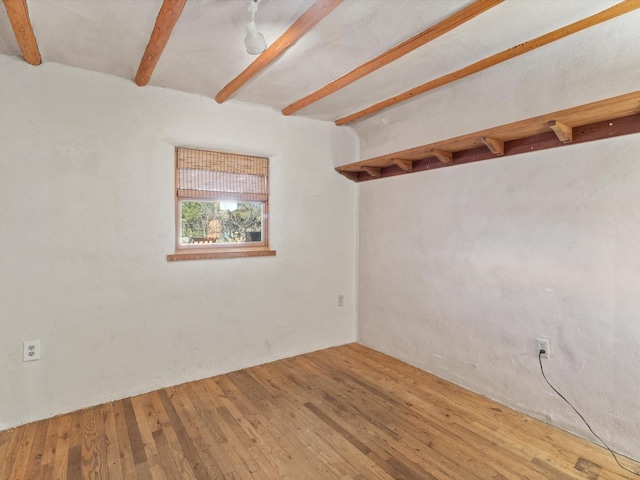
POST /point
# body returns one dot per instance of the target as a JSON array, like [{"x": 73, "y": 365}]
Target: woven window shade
[{"x": 221, "y": 176}]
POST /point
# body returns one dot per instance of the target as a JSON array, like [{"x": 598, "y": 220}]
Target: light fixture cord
[{"x": 253, "y": 8}]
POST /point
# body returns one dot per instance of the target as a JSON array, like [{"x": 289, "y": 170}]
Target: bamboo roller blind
[{"x": 221, "y": 176}]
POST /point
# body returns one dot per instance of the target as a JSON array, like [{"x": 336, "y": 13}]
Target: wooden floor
[{"x": 344, "y": 413}]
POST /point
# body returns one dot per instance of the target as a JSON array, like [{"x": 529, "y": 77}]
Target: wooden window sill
[{"x": 194, "y": 255}]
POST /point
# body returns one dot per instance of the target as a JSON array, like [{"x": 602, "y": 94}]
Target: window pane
[{"x": 220, "y": 222}]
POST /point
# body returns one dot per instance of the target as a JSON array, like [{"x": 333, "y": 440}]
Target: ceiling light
[{"x": 254, "y": 41}]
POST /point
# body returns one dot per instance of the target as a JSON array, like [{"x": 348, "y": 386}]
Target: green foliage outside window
[{"x": 220, "y": 222}]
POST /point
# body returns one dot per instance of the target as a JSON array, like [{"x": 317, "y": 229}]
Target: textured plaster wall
[
  {"x": 461, "y": 268},
  {"x": 87, "y": 219}
]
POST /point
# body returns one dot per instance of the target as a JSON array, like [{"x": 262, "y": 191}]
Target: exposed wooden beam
[
  {"x": 167, "y": 19},
  {"x": 406, "y": 165},
  {"x": 562, "y": 131},
  {"x": 394, "y": 53},
  {"x": 308, "y": 20},
  {"x": 373, "y": 171},
  {"x": 444, "y": 157},
  {"x": 18, "y": 14},
  {"x": 612, "y": 12},
  {"x": 495, "y": 146}
]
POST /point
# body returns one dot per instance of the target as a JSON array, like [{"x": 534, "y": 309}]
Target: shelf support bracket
[
  {"x": 562, "y": 131},
  {"x": 495, "y": 146},
  {"x": 373, "y": 171},
  {"x": 406, "y": 165},
  {"x": 442, "y": 155}
]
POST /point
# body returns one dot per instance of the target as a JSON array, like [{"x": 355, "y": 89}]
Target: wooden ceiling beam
[
  {"x": 395, "y": 53},
  {"x": 615, "y": 11},
  {"x": 308, "y": 20},
  {"x": 167, "y": 19},
  {"x": 562, "y": 131},
  {"x": 18, "y": 14}
]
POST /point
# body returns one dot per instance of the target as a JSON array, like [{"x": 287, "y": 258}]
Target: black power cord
[{"x": 585, "y": 422}]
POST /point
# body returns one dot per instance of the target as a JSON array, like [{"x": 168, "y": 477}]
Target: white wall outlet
[
  {"x": 31, "y": 350},
  {"x": 543, "y": 344},
  {"x": 341, "y": 300}
]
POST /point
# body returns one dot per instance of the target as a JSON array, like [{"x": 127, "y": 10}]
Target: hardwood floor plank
[
  {"x": 74, "y": 457},
  {"x": 399, "y": 441},
  {"x": 6, "y": 439},
  {"x": 513, "y": 424},
  {"x": 212, "y": 435},
  {"x": 133, "y": 431},
  {"x": 165, "y": 458},
  {"x": 341, "y": 454},
  {"x": 347, "y": 413},
  {"x": 174, "y": 448},
  {"x": 457, "y": 425},
  {"x": 112, "y": 446},
  {"x": 267, "y": 451},
  {"x": 49, "y": 448},
  {"x": 272, "y": 380},
  {"x": 146, "y": 434},
  {"x": 34, "y": 465},
  {"x": 13, "y": 439},
  {"x": 377, "y": 430},
  {"x": 19, "y": 457},
  {"x": 94, "y": 448},
  {"x": 61, "y": 458},
  {"x": 238, "y": 440},
  {"x": 127, "y": 461},
  {"x": 187, "y": 438},
  {"x": 202, "y": 440},
  {"x": 305, "y": 464}
]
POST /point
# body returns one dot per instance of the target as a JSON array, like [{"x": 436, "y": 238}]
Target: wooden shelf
[{"x": 594, "y": 121}]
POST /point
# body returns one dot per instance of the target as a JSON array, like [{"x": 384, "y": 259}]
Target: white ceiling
[{"x": 206, "y": 48}]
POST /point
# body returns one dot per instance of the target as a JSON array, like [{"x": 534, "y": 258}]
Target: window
[{"x": 222, "y": 204}]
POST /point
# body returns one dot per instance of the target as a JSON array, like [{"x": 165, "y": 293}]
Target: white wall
[
  {"x": 87, "y": 219},
  {"x": 461, "y": 268}
]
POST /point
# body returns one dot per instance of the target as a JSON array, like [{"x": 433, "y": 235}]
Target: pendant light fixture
[{"x": 254, "y": 40}]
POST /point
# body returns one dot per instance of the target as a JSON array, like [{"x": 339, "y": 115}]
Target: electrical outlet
[
  {"x": 543, "y": 344},
  {"x": 341, "y": 300},
  {"x": 31, "y": 350}
]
